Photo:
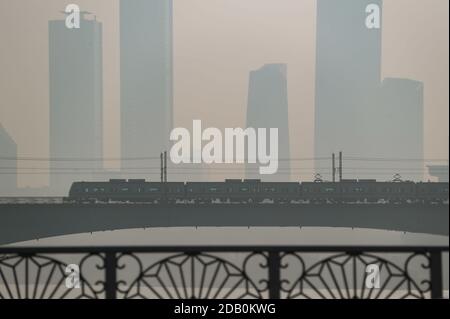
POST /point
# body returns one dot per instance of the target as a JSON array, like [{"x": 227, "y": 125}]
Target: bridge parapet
[{"x": 222, "y": 272}]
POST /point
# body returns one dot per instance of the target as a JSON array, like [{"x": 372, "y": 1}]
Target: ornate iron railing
[{"x": 222, "y": 272}]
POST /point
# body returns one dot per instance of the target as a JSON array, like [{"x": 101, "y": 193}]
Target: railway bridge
[{"x": 35, "y": 218}]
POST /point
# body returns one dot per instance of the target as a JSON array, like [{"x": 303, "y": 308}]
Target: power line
[
  {"x": 82, "y": 159},
  {"x": 42, "y": 159},
  {"x": 213, "y": 167},
  {"x": 76, "y": 159},
  {"x": 380, "y": 159},
  {"x": 190, "y": 173},
  {"x": 86, "y": 159}
]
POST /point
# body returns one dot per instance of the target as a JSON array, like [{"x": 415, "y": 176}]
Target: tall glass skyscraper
[
  {"x": 76, "y": 102},
  {"x": 146, "y": 80},
  {"x": 348, "y": 64},
  {"x": 268, "y": 108},
  {"x": 355, "y": 112}
]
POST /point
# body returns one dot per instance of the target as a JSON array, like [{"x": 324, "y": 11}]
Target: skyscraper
[
  {"x": 268, "y": 108},
  {"x": 75, "y": 58},
  {"x": 146, "y": 79},
  {"x": 8, "y": 156},
  {"x": 357, "y": 113},
  {"x": 348, "y": 64},
  {"x": 399, "y": 133}
]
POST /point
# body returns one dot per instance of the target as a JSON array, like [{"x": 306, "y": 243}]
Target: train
[{"x": 256, "y": 191}]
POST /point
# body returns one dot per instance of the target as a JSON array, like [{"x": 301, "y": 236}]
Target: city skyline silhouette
[{"x": 307, "y": 171}]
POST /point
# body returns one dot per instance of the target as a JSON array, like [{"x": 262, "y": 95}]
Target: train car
[
  {"x": 320, "y": 192},
  {"x": 361, "y": 191},
  {"x": 89, "y": 192},
  {"x": 208, "y": 192},
  {"x": 157, "y": 192},
  {"x": 395, "y": 192},
  {"x": 278, "y": 192},
  {"x": 358, "y": 191},
  {"x": 232, "y": 190},
  {"x": 371, "y": 191},
  {"x": 125, "y": 191},
  {"x": 435, "y": 193},
  {"x": 242, "y": 191}
]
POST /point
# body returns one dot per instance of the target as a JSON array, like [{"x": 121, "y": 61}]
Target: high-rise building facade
[
  {"x": 348, "y": 64},
  {"x": 146, "y": 80},
  {"x": 76, "y": 102},
  {"x": 378, "y": 125},
  {"x": 268, "y": 108},
  {"x": 399, "y": 134},
  {"x": 8, "y": 160}
]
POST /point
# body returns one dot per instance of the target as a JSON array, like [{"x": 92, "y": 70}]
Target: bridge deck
[{"x": 21, "y": 222}]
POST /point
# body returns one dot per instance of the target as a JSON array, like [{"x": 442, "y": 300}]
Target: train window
[
  {"x": 125, "y": 189},
  {"x": 153, "y": 189},
  {"x": 329, "y": 189},
  {"x": 86, "y": 190},
  {"x": 244, "y": 189}
]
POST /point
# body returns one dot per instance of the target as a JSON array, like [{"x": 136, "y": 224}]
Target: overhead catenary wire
[
  {"x": 183, "y": 167},
  {"x": 105, "y": 159}
]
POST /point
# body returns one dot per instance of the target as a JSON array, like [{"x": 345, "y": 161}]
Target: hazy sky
[{"x": 216, "y": 44}]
